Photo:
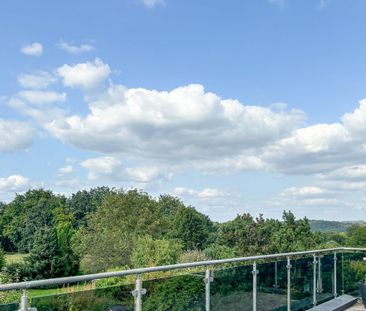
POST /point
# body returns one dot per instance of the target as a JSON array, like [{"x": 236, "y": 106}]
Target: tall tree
[
  {"x": 27, "y": 214},
  {"x": 109, "y": 236},
  {"x": 84, "y": 202},
  {"x": 192, "y": 228}
]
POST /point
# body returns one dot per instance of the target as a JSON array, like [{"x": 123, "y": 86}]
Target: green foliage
[
  {"x": 192, "y": 256},
  {"x": 83, "y": 203},
  {"x": 2, "y": 258},
  {"x": 192, "y": 228},
  {"x": 356, "y": 236},
  {"x": 250, "y": 236},
  {"x": 216, "y": 251},
  {"x": 108, "y": 238},
  {"x": 294, "y": 235},
  {"x": 15, "y": 272},
  {"x": 148, "y": 252},
  {"x": 27, "y": 214},
  {"x": 47, "y": 257},
  {"x": 179, "y": 293}
]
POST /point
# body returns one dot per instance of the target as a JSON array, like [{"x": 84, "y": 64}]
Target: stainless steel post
[
  {"x": 288, "y": 283},
  {"x": 320, "y": 285},
  {"x": 255, "y": 272},
  {"x": 335, "y": 274},
  {"x": 138, "y": 292},
  {"x": 24, "y": 301},
  {"x": 342, "y": 274},
  {"x": 314, "y": 280},
  {"x": 276, "y": 274},
  {"x": 208, "y": 279}
]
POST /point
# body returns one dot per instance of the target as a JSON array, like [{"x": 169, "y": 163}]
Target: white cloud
[
  {"x": 184, "y": 126},
  {"x": 84, "y": 75},
  {"x": 206, "y": 193},
  {"x": 14, "y": 183},
  {"x": 15, "y": 135},
  {"x": 110, "y": 168},
  {"x": 317, "y": 149},
  {"x": 190, "y": 127},
  {"x": 42, "y": 97},
  {"x": 68, "y": 169},
  {"x": 37, "y": 80},
  {"x": 33, "y": 49},
  {"x": 306, "y": 191},
  {"x": 76, "y": 49},
  {"x": 152, "y": 3},
  {"x": 347, "y": 173}
]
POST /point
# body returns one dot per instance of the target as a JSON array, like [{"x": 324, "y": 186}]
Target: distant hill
[{"x": 332, "y": 226}]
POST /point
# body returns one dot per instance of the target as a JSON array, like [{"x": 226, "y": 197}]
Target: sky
[{"x": 234, "y": 106}]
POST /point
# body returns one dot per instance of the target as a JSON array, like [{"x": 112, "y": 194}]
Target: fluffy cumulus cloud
[
  {"x": 33, "y": 49},
  {"x": 185, "y": 125},
  {"x": 14, "y": 183},
  {"x": 76, "y": 49},
  {"x": 84, "y": 75},
  {"x": 110, "y": 168},
  {"x": 321, "y": 148},
  {"x": 190, "y": 127},
  {"x": 36, "y": 80},
  {"x": 15, "y": 135}
]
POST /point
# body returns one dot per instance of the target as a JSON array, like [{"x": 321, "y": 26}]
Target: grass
[{"x": 11, "y": 258}]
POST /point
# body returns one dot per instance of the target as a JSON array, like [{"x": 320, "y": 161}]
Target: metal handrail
[{"x": 140, "y": 271}]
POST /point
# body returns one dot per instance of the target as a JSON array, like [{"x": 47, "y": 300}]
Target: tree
[
  {"x": 28, "y": 213},
  {"x": 45, "y": 258},
  {"x": 356, "y": 236},
  {"x": 294, "y": 235},
  {"x": 216, "y": 251},
  {"x": 240, "y": 234},
  {"x": 83, "y": 203},
  {"x": 111, "y": 232},
  {"x": 192, "y": 228},
  {"x": 148, "y": 252}
]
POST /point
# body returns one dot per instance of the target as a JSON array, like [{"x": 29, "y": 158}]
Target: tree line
[{"x": 103, "y": 228}]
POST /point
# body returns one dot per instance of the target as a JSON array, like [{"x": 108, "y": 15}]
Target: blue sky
[{"x": 240, "y": 106}]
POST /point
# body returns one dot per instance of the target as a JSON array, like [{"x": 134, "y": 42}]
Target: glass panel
[
  {"x": 353, "y": 271},
  {"x": 76, "y": 298},
  {"x": 178, "y": 293},
  {"x": 325, "y": 278},
  {"x": 272, "y": 286},
  {"x": 232, "y": 290},
  {"x": 301, "y": 283},
  {"x": 9, "y": 307}
]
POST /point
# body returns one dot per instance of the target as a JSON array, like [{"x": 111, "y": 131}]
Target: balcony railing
[{"x": 286, "y": 281}]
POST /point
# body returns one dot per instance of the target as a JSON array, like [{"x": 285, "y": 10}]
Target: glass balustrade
[{"x": 296, "y": 282}]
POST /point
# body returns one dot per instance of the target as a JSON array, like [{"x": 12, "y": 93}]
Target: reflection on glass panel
[
  {"x": 97, "y": 299},
  {"x": 178, "y": 293},
  {"x": 325, "y": 277},
  {"x": 9, "y": 307},
  {"x": 231, "y": 289},
  {"x": 272, "y": 286},
  {"x": 353, "y": 271},
  {"x": 301, "y": 283}
]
